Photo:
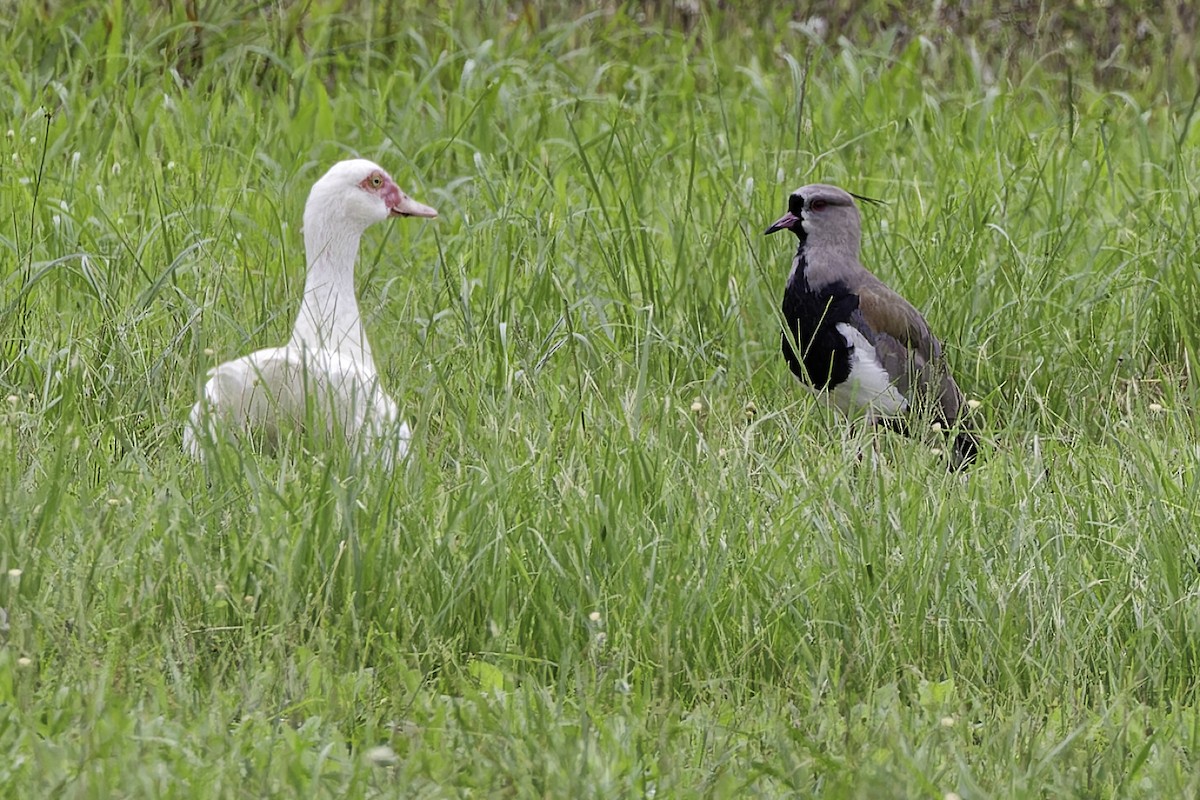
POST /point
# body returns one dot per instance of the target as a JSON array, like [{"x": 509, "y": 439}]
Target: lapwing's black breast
[{"x": 813, "y": 316}]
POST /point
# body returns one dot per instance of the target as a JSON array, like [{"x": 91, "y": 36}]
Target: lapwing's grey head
[{"x": 820, "y": 213}]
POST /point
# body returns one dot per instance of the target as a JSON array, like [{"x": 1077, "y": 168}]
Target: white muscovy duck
[{"x": 326, "y": 369}]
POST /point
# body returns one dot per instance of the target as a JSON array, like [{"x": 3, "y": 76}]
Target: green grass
[{"x": 580, "y": 586}]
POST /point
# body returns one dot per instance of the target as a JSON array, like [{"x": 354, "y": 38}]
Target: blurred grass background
[{"x": 630, "y": 556}]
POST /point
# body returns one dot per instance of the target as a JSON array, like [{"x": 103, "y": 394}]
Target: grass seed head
[{"x": 382, "y": 756}]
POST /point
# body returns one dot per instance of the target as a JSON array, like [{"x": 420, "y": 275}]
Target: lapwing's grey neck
[
  {"x": 329, "y": 317},
  {"x": 827, "y": 260}
]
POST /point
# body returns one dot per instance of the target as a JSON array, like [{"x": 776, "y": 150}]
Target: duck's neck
[{"x": 329, "y": 318}]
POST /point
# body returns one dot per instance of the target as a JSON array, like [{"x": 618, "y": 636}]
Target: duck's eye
[
  {"x": 376, "y": 181},
  {"x": 817, "y": 205}
]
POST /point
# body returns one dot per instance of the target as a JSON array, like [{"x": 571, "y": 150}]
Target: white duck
[{"x": 326, "y": 369}]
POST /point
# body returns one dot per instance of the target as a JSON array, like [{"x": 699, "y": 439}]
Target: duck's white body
[
  {"x": 326, "y": 371},
  {"x": 276, "y": 389}
]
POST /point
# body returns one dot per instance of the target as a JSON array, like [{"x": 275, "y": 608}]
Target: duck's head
[{"x": 360, "y": 193}]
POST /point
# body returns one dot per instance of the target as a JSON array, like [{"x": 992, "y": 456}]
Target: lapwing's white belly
[{"x": 868, "y": 388}]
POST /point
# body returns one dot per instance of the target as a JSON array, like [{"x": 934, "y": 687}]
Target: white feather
[
  {"x": 276, "y": 390},
  {"x": 868, "y": 388}
]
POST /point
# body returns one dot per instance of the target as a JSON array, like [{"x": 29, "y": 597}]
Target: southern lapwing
[{"x": 861, "y": 345}]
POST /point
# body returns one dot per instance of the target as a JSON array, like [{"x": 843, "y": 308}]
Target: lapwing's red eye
[{"x": 817, "y": 205}]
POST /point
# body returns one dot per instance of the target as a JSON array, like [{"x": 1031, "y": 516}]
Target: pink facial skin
[{"x": 398, "y": 203}]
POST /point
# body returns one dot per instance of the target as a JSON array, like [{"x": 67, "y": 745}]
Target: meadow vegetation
[{"x": 629, "y": 556}]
